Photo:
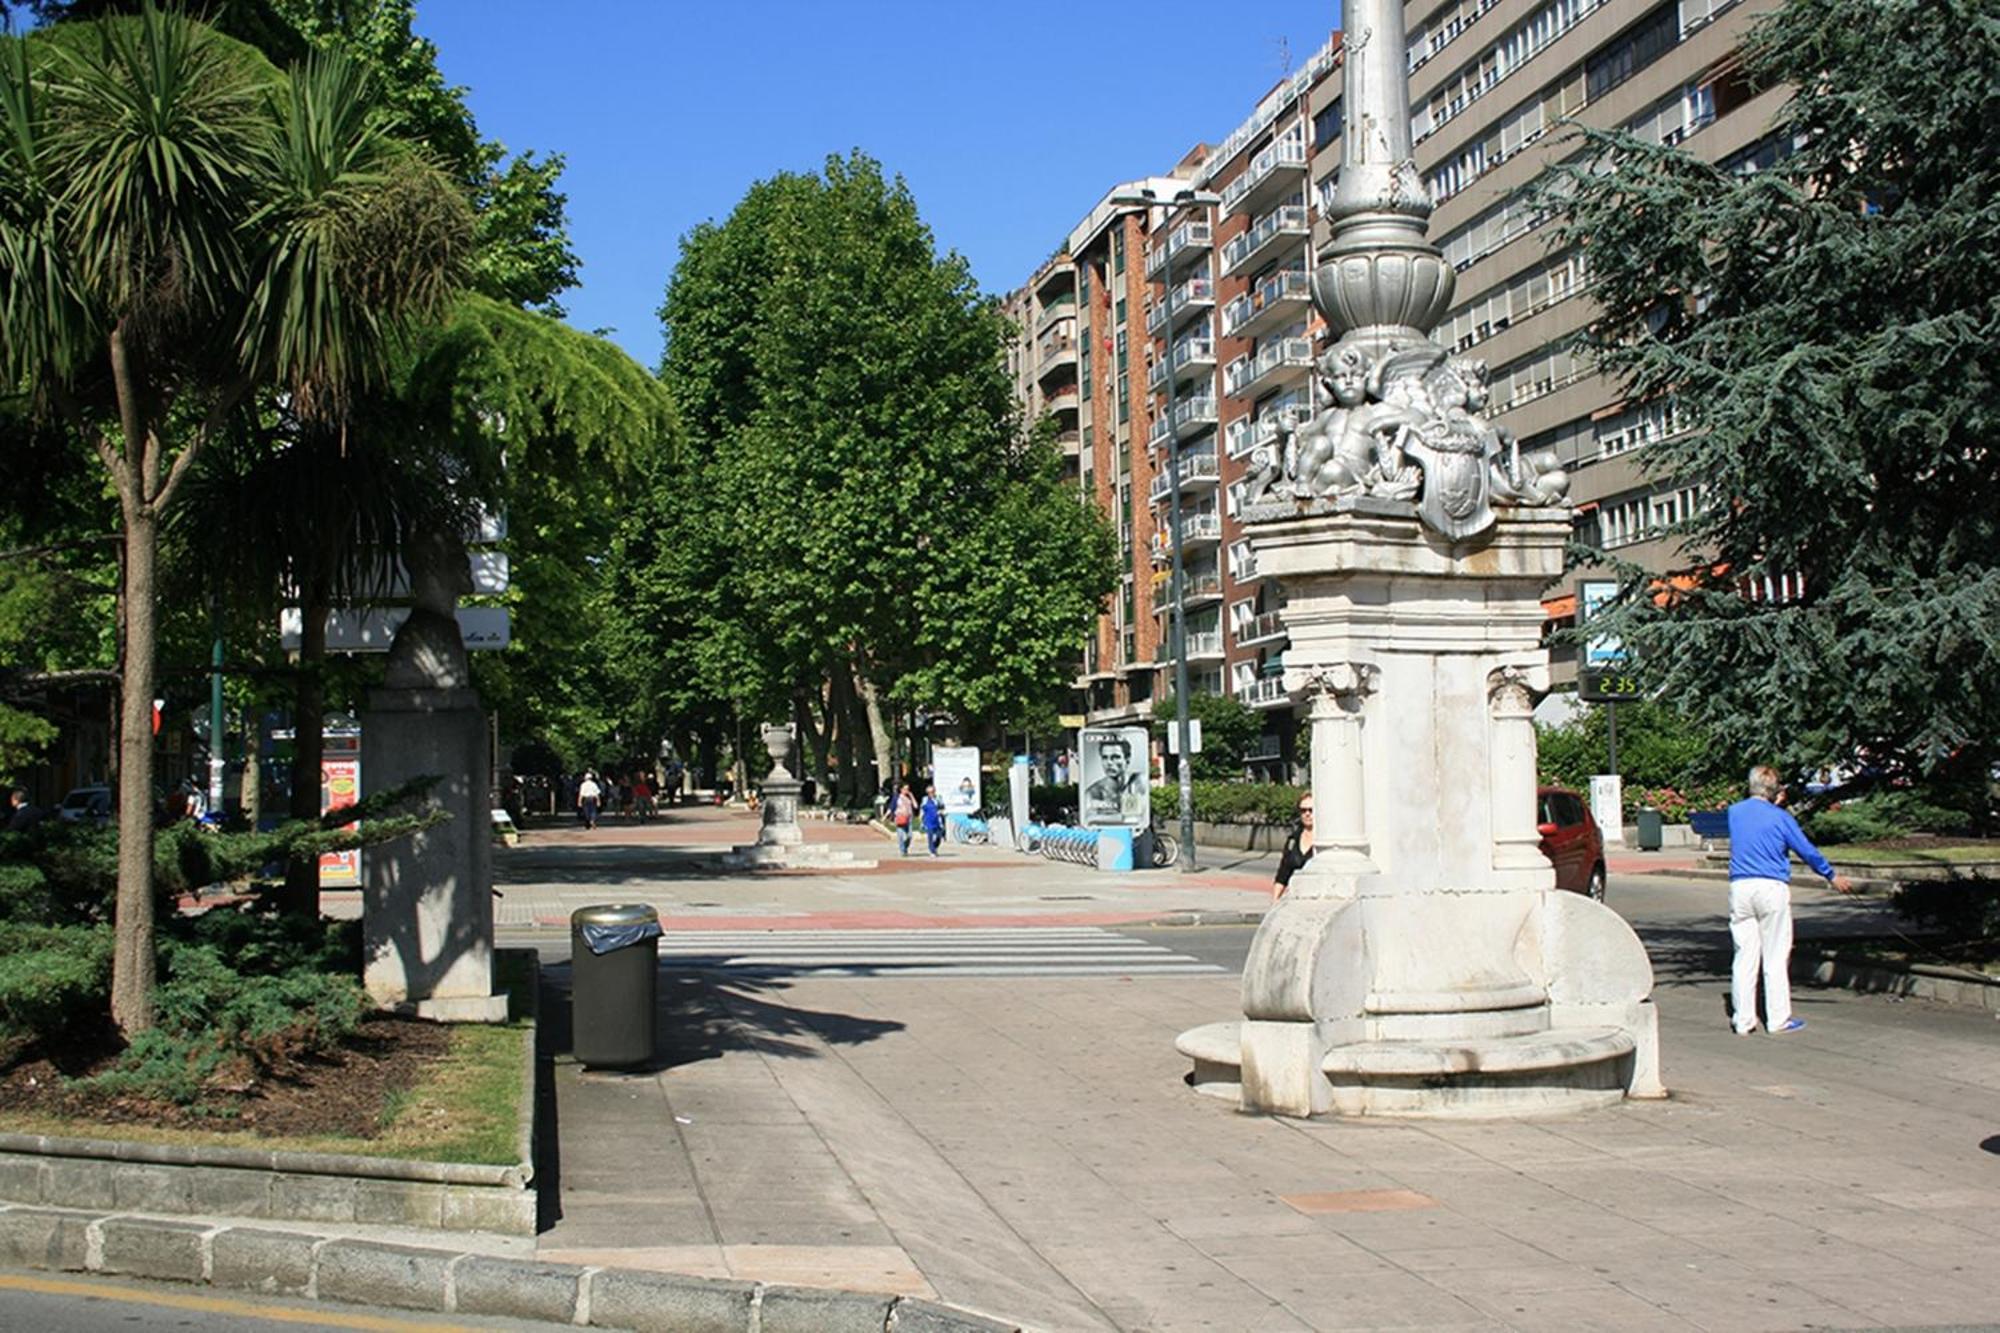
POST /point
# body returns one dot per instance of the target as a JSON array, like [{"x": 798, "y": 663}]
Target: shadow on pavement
[{"x": 705, "y": 1010}]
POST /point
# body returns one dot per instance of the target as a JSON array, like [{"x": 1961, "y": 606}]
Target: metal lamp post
[{"x": 1178, "y": 635}]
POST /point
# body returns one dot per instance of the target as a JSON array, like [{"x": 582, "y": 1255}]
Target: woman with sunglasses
[{"x": 1298, "y": 848}]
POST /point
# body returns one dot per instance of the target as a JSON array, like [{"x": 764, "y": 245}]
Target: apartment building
[{"x": 1195, "y": 322}]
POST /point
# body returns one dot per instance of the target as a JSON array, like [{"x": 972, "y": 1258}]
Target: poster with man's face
[{"x": 1115, "y": 784}]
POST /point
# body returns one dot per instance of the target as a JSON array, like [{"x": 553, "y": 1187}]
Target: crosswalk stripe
[{"x": 943, "y": 951}]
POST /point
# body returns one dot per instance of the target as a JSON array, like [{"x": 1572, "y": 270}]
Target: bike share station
[{"x": 1114, "y": 829}]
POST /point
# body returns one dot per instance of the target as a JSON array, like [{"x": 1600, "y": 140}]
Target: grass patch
[
  {"x": 1947, "y": 854},
  {"x": 467, "y": 1106}
]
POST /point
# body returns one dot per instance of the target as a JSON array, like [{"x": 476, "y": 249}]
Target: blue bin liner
[{"x": 603, "y": 939}]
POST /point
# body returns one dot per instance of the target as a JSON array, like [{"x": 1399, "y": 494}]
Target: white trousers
[{"x": 1760, "y": 921}]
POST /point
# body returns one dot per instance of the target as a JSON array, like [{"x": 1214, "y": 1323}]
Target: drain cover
[{"x": 1066, "y": 898}]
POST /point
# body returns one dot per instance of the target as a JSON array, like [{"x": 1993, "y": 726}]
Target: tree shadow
[{"x": 704, "y": 1009}]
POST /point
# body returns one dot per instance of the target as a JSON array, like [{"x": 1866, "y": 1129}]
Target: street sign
[
  {"x": 1612, "y": 686},
  {"x": 1194, "y": 735}
]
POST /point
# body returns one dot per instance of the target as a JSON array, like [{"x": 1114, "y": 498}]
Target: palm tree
[{"x": 183, "y": 227}]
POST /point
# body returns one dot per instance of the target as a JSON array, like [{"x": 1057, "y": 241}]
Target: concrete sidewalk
[{"x": 1026, "y": 1146}]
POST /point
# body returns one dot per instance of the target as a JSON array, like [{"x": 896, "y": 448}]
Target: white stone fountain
[{"x": 1423, "y": 962}]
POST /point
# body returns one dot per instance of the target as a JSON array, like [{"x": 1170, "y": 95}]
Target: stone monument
[
  {"x": 781, "y": 844},
  {"x": 427, "y": 905},
  {"x": 1423, "y": 962}
]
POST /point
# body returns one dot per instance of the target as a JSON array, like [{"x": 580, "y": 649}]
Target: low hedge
[{"x": 1214, "y": 802}]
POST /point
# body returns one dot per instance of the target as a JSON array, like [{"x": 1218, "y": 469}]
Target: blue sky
[{"x": 1008, "y": 118}]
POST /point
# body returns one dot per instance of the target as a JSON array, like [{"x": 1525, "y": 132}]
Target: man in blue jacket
[{"x": 1760, "y": 901}]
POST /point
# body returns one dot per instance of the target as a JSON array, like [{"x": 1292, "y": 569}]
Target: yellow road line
[{"x": 221, "y": 1306}]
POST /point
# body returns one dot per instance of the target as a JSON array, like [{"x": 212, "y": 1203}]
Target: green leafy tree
[
  {"x": 1830, "y": 328},
  {"x": 860, "y": 517},
  {"x": 1229, "y": 728},
  {"x": 181, "y": 226}
]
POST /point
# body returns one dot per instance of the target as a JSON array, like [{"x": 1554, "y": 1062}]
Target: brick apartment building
[{"x": 1216, "y": 296}]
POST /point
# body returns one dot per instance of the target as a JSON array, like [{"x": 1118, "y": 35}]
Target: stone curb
[
  {"x": 1200, "y": 917},
  {"x": 293, "y": 1263},
  {"x": 1916, "y": 981},
  {"x": 42, "y": 1169}
]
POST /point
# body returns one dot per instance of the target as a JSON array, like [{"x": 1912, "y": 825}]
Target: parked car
[
  {"x": 1571, "y": 840},
  {"x": 86, "y": 805}
]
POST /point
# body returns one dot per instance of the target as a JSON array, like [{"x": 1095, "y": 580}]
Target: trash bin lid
[{"x": 614, "y": 914}]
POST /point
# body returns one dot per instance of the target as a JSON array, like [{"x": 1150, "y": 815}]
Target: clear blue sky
[{"x": 1008, "y": 118}]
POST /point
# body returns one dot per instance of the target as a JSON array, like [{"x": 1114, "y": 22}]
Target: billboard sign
[
  {"x": 1593, "y": 596},
  {"x": 955, "y": 770},
  {"x": 1115, "y": 786}
]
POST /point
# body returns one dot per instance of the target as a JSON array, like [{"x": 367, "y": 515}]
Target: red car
[{"x": 1571, "y": 840}]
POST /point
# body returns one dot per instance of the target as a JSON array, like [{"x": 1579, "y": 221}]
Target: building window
[
  {"x": 1657, "y": 34},
  {"x": 1326, "y": 125},
  {"x": 1124, "y": 360},
  {"x": 1124, "y": 401},
  {"x": 1118, "y": 314},
  {"x": 1117, "y": 252}
]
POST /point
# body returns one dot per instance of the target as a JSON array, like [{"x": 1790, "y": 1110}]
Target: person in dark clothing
[
  {"x": 22, "y": 814},
  {"x": 1298, "y": 848}
]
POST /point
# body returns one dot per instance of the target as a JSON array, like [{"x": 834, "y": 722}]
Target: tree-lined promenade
[{"x": 274, "y": 308}]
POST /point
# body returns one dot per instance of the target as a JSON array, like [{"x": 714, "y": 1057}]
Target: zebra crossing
[{"x": 945, "y": 951}]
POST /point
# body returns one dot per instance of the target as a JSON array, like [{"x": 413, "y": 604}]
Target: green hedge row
[{"x": 1214, "y": 802}]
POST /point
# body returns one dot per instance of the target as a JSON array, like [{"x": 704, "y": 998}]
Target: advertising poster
[
  {"x": 955, "y": 770},
  {"x": 1114, "y": 786},
  {"x": 1601, "y": 650},
  {"x": 340, "y": 787}
]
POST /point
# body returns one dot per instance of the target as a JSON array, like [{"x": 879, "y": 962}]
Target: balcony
[
  {"x": 1264, "y": 692},
  {"x": 1063, "y": 307},
  {"x": 1197, "y": 471},
  {"x": 1194, "y": 350},
  {"x": 1197, "y": 530},
  {"x": 1271, "y": 174},
  {"x": 1057, "y": 277},
  {"x": 1269, "y": 366},
  {"x": 1203, "y": 587},
  {"x": 1281, "y": 230},
  {"x": 1069, "y": 443},
  {"x": 1202, "y": 646},
  {"x": 1266, "y": 628},
  {"x": 1188, "y": 417},
  {"x": 1271, "y": 304},
  {"x": 1197, "y": 293},
  {"x": 1063, "y": 399},
  {"x": 1187, "y": 240},
  {"x": 1056, "y": 351}
]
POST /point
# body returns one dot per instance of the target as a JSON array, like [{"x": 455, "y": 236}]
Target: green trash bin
[
  {"x": 614, "y": 969},
  {"x": 1651, "y": 829}
]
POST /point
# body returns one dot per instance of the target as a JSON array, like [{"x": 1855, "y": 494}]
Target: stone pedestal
[
  {"x": 781, "y": 844},
  {"x": 427, "y": 916},
  {"x": 1423, "y": 962}
]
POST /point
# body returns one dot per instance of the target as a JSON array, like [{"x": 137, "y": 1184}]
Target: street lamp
[{"x": 1148, "y": 196}]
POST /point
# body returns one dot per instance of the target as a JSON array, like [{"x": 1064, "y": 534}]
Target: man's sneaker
[{"x": 1789, "y": 1025}]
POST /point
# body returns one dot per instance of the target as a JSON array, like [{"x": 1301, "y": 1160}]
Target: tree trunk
[
  {"x": 132, "y": 960},
  {"x": 843, "y": 740},
  {"x": 301, "y": 895},
  {"x": 878, "y": 726},
  {"x": 804, "y": 712}
]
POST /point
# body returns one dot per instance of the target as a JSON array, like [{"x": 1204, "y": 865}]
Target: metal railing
[
  {"x": 1290, "y": 218},
  {"x": 1289, "y": 284},
  {"x": 1269, "y": 625},
  {"x": 1284, "y": 153},
  {"x": 1246, "y": 370},
  {"x": 1198, "y": 290},
  {"x": 1188, "y": 234}
]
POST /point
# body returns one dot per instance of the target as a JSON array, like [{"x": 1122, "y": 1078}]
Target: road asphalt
[{"x": 956, "y": 1079}]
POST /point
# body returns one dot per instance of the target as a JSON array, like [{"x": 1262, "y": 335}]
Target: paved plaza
[{"x": 956, "y": 1078}]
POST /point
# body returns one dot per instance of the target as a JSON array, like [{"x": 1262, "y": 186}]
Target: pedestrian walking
[
  {"x": 903, "y": 814},
  {"x": 588, "y": 794},
  {"x": 1761, "y": 832},
  {"x": 933, "y": 814},
  {"x": 1298, "y": 849}
]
